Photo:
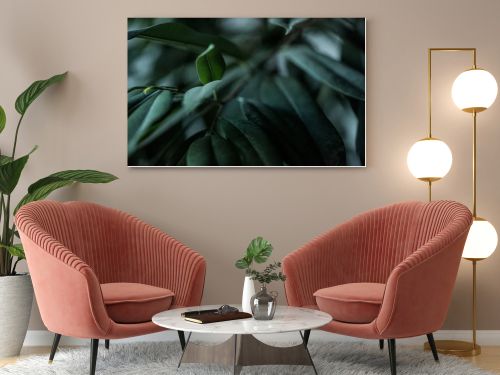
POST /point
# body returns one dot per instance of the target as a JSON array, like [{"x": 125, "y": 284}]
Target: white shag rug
[{"x": 162, "y": 357}]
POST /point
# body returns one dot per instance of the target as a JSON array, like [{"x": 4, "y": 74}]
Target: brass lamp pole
[{"x": 482, "y": 238}]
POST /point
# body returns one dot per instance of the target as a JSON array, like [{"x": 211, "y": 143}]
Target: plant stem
[
  {"x": 3, "y": 251},
  {"x": 6, "y": 238},
  {"x": 15, "y": 137}
]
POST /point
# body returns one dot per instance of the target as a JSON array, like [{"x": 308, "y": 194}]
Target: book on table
[{"x": 213, "y": 316}]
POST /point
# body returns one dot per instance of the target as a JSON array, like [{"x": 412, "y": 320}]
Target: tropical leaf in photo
[
  {"x": 156, "y": 107},
  {"x": 196, "y": 96},
  {"x": 289, "y": 134},
  {"x": 255, "y": 137},
  {"x": 287, "y": 24},
  {"x": 210, "y": 65},
  {"x": 323, "y": 132},
  {"x": 335, "y": 74},
  {"x": 338, "y": 108},
  {"x": 181, "y": 36}
]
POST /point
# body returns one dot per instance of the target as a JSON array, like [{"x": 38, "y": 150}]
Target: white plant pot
[
  {"x": 16, "y": 298},
  {"x": 248, "y": 292}
]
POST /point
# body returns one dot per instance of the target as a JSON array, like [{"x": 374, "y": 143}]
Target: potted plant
[
  {"x": 258, "y": 251},
  {"x": 16, "y": 291}
]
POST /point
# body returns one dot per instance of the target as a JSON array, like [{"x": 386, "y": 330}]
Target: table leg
[{"x": 246, "y": 350}]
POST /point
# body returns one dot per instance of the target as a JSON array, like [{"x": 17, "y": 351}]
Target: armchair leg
[
  {"x": 392, "y": 355},
  {"x": 55, "y": 344},
  {"x": 432, "y": 344},
  {"x": 94, "y": 345},
  {"x": 307, "y": 333},
  {"x": 381, "y": 344},
  {"x": 106, "y": 344},
  {"x": 182, "y": 339}
]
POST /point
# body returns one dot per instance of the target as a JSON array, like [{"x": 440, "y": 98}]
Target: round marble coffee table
[{"x": 242, "y": 348}]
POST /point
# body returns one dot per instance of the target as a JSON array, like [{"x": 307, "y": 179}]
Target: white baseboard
[{"x": 484, "y": 337}]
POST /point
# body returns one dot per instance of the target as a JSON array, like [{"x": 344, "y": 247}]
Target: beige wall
[{"x": 82, "y": 124}]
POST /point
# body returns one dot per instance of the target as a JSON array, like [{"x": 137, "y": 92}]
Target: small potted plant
[{"x": 258, "y": 251}]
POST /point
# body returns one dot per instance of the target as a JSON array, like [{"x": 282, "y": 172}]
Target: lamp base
[{"x": 456, "y": 348}]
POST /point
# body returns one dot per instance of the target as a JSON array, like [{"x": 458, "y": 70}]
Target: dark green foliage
[
  {"x": 269, "y": 274},
  {"x": 252, "y": 92},
  {"x": 210, "y": 65}
]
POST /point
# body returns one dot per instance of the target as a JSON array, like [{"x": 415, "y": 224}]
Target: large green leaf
[
  {"x": 248, "y": 155},
  {"x": 136, "y": 97},
  {"x": 4, "y": 159},
  {"x": 242, "y": 263},
  {"x": 287, "y": 133},
  {"x": 259, "y": 250},
  {"x": 43, "y": 187},
  {"x": 319, "y": 127},
  {"x": 288, "y": 24},
  {"x": 173, "y": 119},
  {"x": 335, "y": 74},
  {"x": 224, "y": 152},
  {"x": 181, "y": 36},
  {"x": 210, "y": 65},
  {"x": 10, "y": 172},
  {"x": 259, "y": 140},
  {"x": 339, "y": 110},
  {"x": 141, "y": 120},
  {"x": 201, "y": 153},
  {"x": 3, "y": 119},
  {"x": 196, "y": 96},
  {"x": 178, "y": 142},
  {"x": 36, "y": 88},
  {"x": 15, "y": 250}
]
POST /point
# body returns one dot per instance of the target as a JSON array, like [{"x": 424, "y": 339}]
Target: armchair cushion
[
  {"x": 353, "y": 302},
  {"x": 133, "y": 302}
]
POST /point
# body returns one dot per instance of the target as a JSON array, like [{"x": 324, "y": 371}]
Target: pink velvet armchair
[
  {"x": 99, "y": 273},
  {"x": 385, "y": 274}
]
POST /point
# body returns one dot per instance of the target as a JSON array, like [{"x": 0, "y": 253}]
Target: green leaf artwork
[{"x": 274, "y": 92}]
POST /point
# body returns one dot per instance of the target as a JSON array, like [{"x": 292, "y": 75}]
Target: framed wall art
[{"x": 275, "y": 92}]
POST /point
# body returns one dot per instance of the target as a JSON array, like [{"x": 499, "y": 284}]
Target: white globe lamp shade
[
  {"x": 429, "y": 159},
  {"x": 481, "y": 241},
  {"x": 474, "y": 90}
]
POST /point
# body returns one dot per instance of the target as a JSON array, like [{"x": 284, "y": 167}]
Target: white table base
[{"x": 246, "y": 350}]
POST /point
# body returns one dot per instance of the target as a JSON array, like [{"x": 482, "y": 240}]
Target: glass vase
[{"x": 263, "y": 304}]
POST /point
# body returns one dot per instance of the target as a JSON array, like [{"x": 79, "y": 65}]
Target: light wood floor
[{"x": 488, "y": 360}]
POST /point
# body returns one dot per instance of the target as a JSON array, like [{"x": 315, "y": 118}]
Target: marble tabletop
[{"x": 286, "y": 319}]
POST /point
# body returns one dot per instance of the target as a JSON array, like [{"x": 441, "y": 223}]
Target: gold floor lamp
[{"x": 430, "y": 159}]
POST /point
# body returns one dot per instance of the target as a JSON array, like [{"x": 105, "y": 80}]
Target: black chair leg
[
  {"x": 106, "y": 344},
  {"x": 182, "y": 339},
  {"x": 432, "y": 344},
  {"x": 381, "y": 344},
  {"x": 392, "y": 355},
  {"x": 307, "y": 333},
  {"x": 55, "y": 344},
  {"x": 94, "y": 345}
]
